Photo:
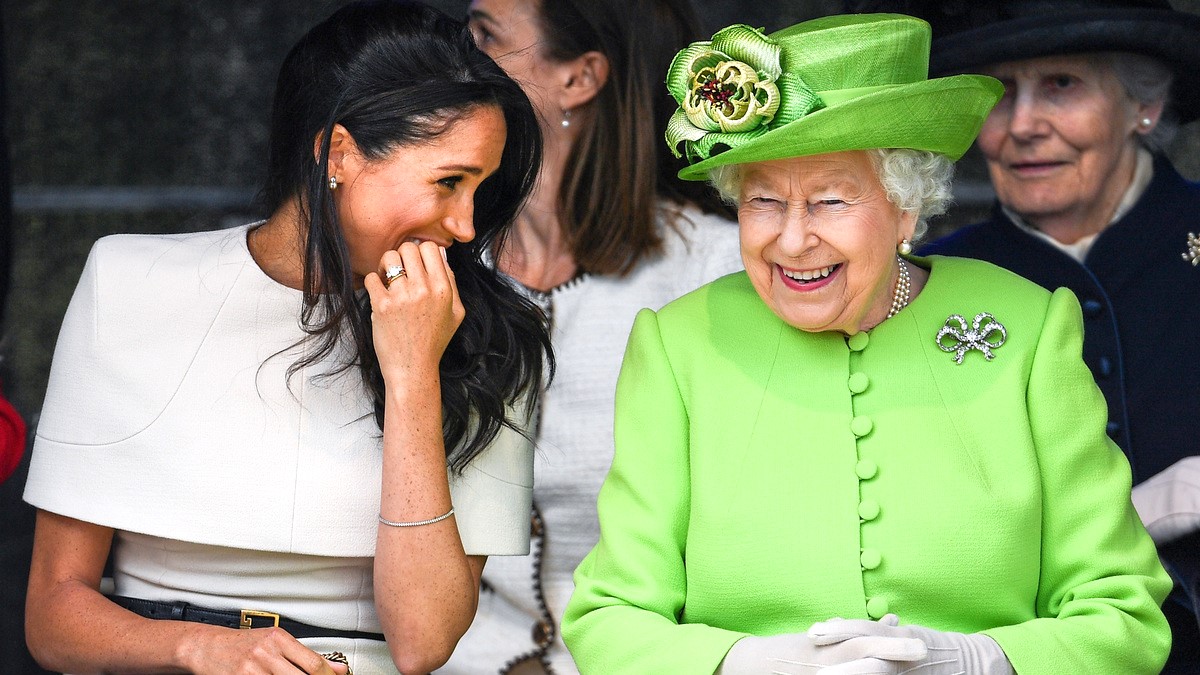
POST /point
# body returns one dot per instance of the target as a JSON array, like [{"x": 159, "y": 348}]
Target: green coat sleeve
[
  {"x": 629, "y": 591},
  {"x": 1101, "y": 582}
]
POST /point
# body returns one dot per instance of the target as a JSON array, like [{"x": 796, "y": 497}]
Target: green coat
[{"x": 766, "y": 478}]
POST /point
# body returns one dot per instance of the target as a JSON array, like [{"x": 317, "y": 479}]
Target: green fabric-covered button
[
  {"x": 858, "y": 341},
  {"x": 877, "y": 607},
  {"x": 868, "y": 509},
  {"x": 861, "y": 426},
  {"x": 858, "y": 383},
  {"x": 866, "y": 469},
  {"x": 870, "y": 558}
]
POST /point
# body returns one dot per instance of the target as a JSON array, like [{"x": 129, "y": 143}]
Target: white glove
[
  {"x": 948, "y": 653},
  {"x": 1169, "y": 501},
  {"x": 797, "y": 654}
]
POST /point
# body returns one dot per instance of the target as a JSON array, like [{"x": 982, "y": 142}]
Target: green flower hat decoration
[
  {"x": 843, "y": 82},
  {"x": 727, "y": 90}
]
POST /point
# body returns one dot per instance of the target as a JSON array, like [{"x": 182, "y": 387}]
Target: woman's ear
[
  {"x": 908, "y": 224},
  {"x": 1148, "y": 115},
  {"x": 586, "y": 76},
  {"x": 341, "y": 146}
]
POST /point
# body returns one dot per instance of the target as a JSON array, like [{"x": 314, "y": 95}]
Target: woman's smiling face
[
  {"x": 1061, "y": 144},
  {"x": 819, "y": 240},
  {"x": 420, "y": 192}
]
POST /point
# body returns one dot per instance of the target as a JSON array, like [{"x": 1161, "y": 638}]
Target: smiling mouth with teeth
[{"x": 809, "y": 276}]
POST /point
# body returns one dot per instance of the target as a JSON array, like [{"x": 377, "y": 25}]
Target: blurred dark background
[{"x": 150, "y": 116}]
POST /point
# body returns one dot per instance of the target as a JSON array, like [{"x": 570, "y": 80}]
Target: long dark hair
[
  {"x": 620, "y": 166},
  {"x": 395, "y": 73}
]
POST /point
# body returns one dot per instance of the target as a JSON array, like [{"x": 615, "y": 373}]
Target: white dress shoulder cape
[{"x": 170, "y": 417}]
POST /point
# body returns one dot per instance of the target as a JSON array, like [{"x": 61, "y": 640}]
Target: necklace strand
[{"x": 903, "y": 290}]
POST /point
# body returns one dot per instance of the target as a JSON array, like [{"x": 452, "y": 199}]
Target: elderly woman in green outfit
[{"x": 847, "y": 459}]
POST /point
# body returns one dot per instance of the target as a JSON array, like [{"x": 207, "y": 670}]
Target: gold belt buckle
[{"x": 248, "y": 615}]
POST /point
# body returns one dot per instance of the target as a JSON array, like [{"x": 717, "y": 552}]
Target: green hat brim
[{"x": 941, "y": 115}]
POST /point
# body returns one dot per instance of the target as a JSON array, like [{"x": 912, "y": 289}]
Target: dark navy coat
[{"x": 1141, "y": 309}]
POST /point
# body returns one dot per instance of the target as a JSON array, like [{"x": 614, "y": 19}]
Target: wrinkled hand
[
  {"x": 263, "y": 650},
  {"x": 947, "y": 653},
  {"x": 799, "y": 654},
  {"x": 414, "y": 318},
  {"x": 1169, "y": 501}
]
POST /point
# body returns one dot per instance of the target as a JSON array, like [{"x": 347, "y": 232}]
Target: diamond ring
[{"x": 392, "y": 273}]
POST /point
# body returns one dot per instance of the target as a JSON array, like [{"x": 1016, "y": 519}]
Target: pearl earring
[
  {"x": 333, "y": 182},
  {"x": 1146, "y": 122},
  {"x": 905, "y": 247},
  {"x": 566, "y": 119}
]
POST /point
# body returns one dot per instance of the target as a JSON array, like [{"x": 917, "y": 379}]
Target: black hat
[{"x": 968, "y": 34}]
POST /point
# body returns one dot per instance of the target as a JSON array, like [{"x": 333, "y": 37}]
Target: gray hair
[
  {"x": 1147, "y": 81},
  {"x": 916, "y": 181},
  {"x": 727, "y": 179}
]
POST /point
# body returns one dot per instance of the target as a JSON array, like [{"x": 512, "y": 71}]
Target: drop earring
[
  {"x": 333, "y": 183},
  {"x": 566, "y": 118},
  {"x": 905, "y": 247}
]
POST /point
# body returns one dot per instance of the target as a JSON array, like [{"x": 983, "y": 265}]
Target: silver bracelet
[{"x": 393, "y": 523}]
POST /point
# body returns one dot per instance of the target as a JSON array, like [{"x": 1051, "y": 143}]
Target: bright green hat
[{"x": 847, "y": 82}]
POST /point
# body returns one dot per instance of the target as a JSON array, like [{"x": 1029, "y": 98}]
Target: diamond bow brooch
[{"x": 985, "y": 334}]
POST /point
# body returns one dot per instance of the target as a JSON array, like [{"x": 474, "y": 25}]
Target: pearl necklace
[{"x": 903, "y": 290}]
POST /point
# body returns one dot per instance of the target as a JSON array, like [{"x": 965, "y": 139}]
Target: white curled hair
[
  {"x": 914, "y": 180},
  {"x": 727, "y": 180}
]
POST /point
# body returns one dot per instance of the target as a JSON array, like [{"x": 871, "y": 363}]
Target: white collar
[{"x": 1143, "y": 173}]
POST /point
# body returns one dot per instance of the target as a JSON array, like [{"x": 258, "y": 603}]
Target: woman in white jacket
[
  {"x": 608, "y": 230},
  {"x": 304, "y": 424}
]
